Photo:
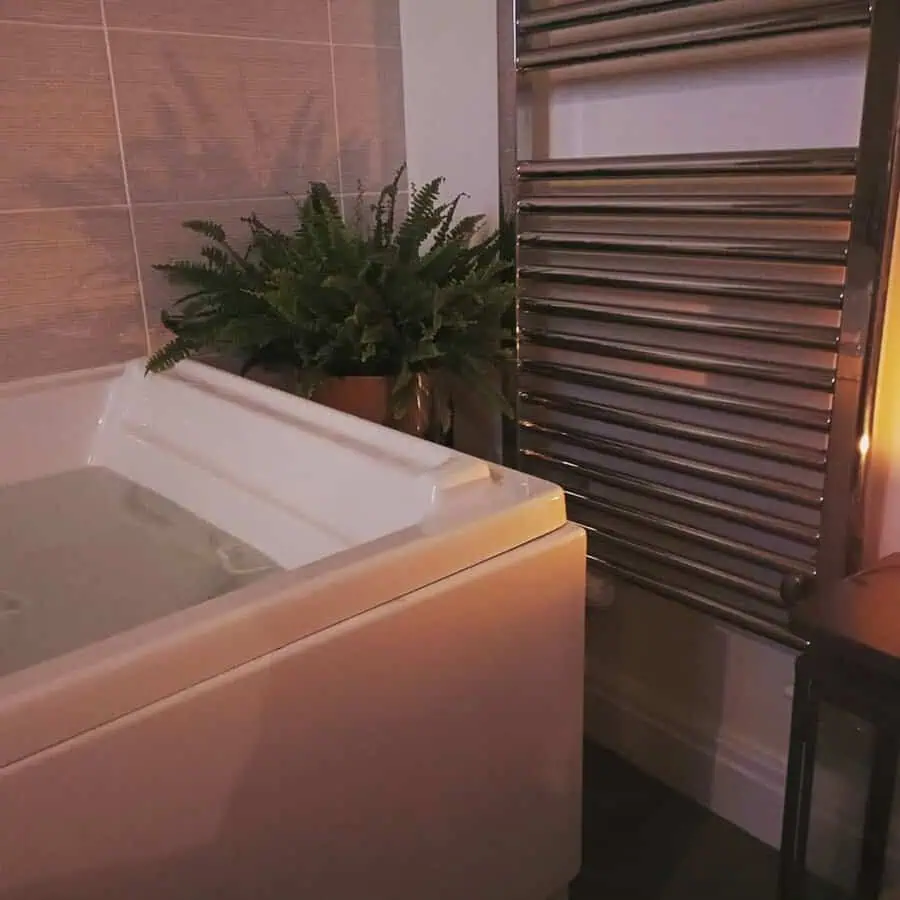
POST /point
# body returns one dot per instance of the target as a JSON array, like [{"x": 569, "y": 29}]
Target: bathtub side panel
[{"x": 429, "y": 748}]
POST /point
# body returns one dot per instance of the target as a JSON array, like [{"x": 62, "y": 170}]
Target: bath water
[{"x": 87, "y": 554}]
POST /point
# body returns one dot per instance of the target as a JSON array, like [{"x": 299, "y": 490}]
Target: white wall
[
  {"x": 776, "y": 103},
  {"x": 450, "y": 87}
]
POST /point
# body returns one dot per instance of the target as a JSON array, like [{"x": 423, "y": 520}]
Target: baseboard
[{"x": 735, "y": 778}]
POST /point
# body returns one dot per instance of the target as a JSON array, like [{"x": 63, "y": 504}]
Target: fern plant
[{"x": 401, "y": 295}]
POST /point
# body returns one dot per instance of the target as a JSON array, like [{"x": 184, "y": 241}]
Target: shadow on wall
[
  {"x": 656, "y": 689},
  {"x": 183, "y": 161}
]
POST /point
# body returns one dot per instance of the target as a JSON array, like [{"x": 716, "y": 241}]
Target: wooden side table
[{"x": 853, "y": 662}]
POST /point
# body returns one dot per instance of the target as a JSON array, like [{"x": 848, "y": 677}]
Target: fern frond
[
  {"x": 192, "y": 273},
  {"x": 392, "y": 202},
  {"x": 219, "y": 260},
  {"x": 421, "y": 220},
  {"x": 438, "y": 264},
  {"x": 321, "y": 199},
  {"x": 466, "y": 228},
  {"x": 170, "y": 355},
  {"x": 207, "y": 228},
  {"x": 384, "y": 211},
  {"x": 318, "y": 218},
  {"x": 448, "y": 217}
]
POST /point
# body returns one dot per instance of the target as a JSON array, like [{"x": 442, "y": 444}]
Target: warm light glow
[{"x": 864, "y": 445}]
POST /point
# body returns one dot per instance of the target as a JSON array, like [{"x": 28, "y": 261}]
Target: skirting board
[
  {"x": 738, "y": 780},
  {"x": 716, "y": 771}
]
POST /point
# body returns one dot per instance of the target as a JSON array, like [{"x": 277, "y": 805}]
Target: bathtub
[{"x": 393, "y": 712}]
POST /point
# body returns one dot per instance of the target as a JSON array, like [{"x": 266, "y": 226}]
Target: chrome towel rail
[
  {"x": 568, "y": 14},
  {"x": 758, "y": 485},
  {"x": 817, "y": 207},
  {"x": 690, "y": 245},
  {"x": 759, "y": 367},
  {"x": 763, "y": 408},
  {"x": 702, "y": 602},
  {"x": 698, "y": 334},
  {"x": 725, "y": 325},
  {"x": 826, "y": 161},
  {"x": 781, "y": 291},
  {"x": 650, "y": 553},
  {"x": 793, "y": 530},
  {"x": 749, "y": 443},
  {"x": 756, "y": 26},
  {"x": 683, "y": 404}
]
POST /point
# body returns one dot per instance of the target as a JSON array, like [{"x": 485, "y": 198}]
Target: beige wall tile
[
  {"x": 211, "y": 118},
  {"x": 55, "y": 12},
  {"x": 372, "y": 22},
  {"x": 286, "y": 19},
  {"x": 206, "y": 121},
  {"x": 369, "y": 85},
  {"x": 160, "y": 239},
  {"x": 58, "y": 144},
  {"x": 70, "y": 298}
]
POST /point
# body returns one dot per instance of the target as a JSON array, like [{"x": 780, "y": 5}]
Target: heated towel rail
[{"x": 698, "y": 334}]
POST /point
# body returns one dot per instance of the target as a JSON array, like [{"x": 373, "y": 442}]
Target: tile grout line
[
  {"x": 156, "y": 204},
  {"x": 56, "y": 26},
  {"x": 337, "y": 127},
  {"x": 28, "y": 210},
  {"x": 125, "y": 29},
  {"x": 126, "y": 185}
]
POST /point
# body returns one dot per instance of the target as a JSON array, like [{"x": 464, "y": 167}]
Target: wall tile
[
  {"x": 372, "y": 22},
  {"x": 57, "y": 130},
  {"x": 70, "y": 297},
  {"x": 210, "y": 118},
  {"x": 52, "y": 12},
  {"x": 206, "y": 121},
  {"x": 286, "y": 19},
  {"x": 369, "y": 85},
  {"x": 160, "y": 239}
]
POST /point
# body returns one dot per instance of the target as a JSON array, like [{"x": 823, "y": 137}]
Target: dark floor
[{"x": 644, "y": 841}]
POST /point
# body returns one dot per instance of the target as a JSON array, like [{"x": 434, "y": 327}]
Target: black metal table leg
[
  {"x": 798, "y": 785},
  {"x": 876, "y": 830}
]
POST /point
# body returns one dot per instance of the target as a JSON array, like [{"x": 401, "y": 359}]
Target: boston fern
[{"x": 402, "y": 295}]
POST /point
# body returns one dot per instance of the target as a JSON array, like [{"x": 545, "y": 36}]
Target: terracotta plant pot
[
  {"x": 366, "y": 396},
  {"x": 369, "y": 397},
  {"x": 420, "y": 412}
]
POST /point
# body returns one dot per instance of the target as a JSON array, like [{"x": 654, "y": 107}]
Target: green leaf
[
  {"x": 207, "y": 228},
  {"x": 170, "y": 354}
]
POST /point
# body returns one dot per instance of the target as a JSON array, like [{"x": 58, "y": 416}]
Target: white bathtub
[{"x": 398, "y": 715}]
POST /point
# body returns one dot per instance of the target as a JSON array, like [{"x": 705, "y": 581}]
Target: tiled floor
[{"x": 643, "y": 841}]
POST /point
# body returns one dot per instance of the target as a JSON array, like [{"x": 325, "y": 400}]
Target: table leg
[
  {"x": 798, "y": 785},
  {"x": 876, "y": 830}
]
